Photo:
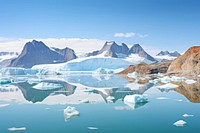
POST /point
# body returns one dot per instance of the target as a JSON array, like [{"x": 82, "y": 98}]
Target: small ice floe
[
  {"x": 168, "y": 86},
  {"x": 162, "y": 98},
  {"x": 93, "y": 128},
  {"x": 4, "y": 105},
  {"x": 135, "y": 98},
  {"x": 84, "y": 101},
  {"x": 180, "y": 123},
  {"x": 133, "y": 75},
  {"x": 165, "y": 79},
  {"x": 17, "y": 129},
  {"x": 70, "y": 112},
  {"x": 187, "y": 115},
  {"x": 177, "y": 79},
  {"x": 47, "y": 108},
  {"x": 190, "y": 81}
]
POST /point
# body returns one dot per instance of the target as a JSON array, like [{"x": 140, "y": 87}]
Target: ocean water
[{"x": 38, "y": 104}]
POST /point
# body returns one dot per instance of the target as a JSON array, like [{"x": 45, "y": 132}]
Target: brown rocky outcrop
[
  {"x": 187, "y": 64},
  {"x": 143, "y": 69},
  {"x": 190, "y": 91}
]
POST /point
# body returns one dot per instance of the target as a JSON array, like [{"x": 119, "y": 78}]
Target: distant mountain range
[
  {"x": 174, "y": 54},
  {"x": 36, "y": 52},
  {"x": 111, "y": 49}
]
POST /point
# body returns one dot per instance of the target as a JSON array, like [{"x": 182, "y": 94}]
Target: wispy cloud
[
  {"x": 78, "y": 44},
  {"x": 126, "y": 35},
  {"x": 130, "y": 35}
]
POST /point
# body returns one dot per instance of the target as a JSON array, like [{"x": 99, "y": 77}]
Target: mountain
[
  {"x": 36, "y": 52},
  {"x": 137, "y": 49},
  {"x": 187, "y": 64},
  {"x": 174, "y": 54},
  {"x": 112, "y": 49},
  {"x": 67, "y": 53}
]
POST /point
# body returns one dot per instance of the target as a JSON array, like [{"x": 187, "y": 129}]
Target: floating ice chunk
[
  {"x": 155, "y": 81},
  {"x": 180, "y": 123},
  {"x": 135, "y": 98},
  {"x": 177, "y": 79},
  {"x": 165, "y": 79},
  {"x": 17, "y": 128},
  {"x": 133, "y": 75},
  {"x": 168, "y": 86},
  {"x": 84, "y": 101},
  {"x": 190, "y": 81},
  {"x": 93, "y": 128},
  {"x": 5, "y": 80},
  {"x": 70, "y": 112},
  {"x": 199, "y": 76},
  {"x": 4, "y": 105},
  {"x": 187, "y": 115},
  {"x": 162, "y": 98}
]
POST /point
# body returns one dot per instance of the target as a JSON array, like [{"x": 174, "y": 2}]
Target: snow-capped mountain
[
  {"x": 6, "y": 57},
  {"x": 166, "y": 55},
  {"x": 36, "y": 52},
  {"x": 174, "y": 54},
  {"x": 112, "y": 49}
]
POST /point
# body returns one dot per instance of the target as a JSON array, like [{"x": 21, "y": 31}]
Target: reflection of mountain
[
  {"x": 111, "y": 88},
  {"x": 120, "y": 93},
  {"x": 36, "y": 95},
  {"x": 190, "y": 91}
]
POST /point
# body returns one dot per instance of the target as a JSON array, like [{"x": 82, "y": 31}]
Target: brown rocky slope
[{"x": 187, "y": 64}]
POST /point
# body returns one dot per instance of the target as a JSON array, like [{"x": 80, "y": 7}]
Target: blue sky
[{"x": 161, "y": 24}]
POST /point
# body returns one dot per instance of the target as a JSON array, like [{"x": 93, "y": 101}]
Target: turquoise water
[{"x": 42, "y": 110}]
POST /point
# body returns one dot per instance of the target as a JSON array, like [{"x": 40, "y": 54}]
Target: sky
[{"x": 155, "y": 24}]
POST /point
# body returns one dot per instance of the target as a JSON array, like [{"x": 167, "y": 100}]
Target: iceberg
[
  {"x": 70, "y": 112},
  {"x": 135, "y": 98},
  {"x": 5, "y": 80},
  {"x": 12, "y": 71},
  {"x": 17, "y": 128},
  {"x": 91, "y": 64},
  {"x": 190, "y": 81},
  {"x": 180, "y": 123}
]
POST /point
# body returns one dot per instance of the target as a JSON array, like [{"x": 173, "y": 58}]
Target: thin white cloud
[
  {"x": 78, "y": 44},
  {"x": 126, "y": 35},
  {"x": 130, "y": 35}
]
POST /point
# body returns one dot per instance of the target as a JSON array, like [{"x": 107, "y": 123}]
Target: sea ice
[
  {"x": 187, "y": 115},
  {"x": 180, "y": 123},
  {"x": 168, "y": 86},
  {"x": 70, "y": 112},
  {"x": 135, "y": 98},
  {"x": 47, "y": 86},
  {"x": 190, "y": 81},
  {"x": 17, "y": 128}
]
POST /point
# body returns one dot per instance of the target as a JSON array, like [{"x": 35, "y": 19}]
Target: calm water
[{"x": 37, "y": 103}]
